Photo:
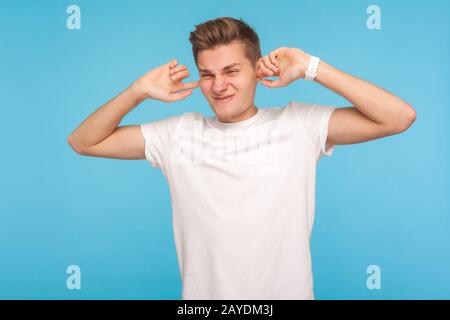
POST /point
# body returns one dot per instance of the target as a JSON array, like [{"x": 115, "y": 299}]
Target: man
[{"x": 242, "y": 183}]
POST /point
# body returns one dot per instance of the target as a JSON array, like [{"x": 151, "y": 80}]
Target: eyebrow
[{"x": 226, "y": 68}]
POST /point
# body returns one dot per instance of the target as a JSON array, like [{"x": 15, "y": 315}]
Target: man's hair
[{"x": 222, "y": 31}]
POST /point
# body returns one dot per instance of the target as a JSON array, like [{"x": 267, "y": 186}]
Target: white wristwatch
[{"x": 311, "y": 71}]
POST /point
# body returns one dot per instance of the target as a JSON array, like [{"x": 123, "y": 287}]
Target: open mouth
[{"x": 225, "y": 99}]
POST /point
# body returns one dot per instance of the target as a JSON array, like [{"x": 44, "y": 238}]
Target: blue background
[{"x": 383, "y": 202}]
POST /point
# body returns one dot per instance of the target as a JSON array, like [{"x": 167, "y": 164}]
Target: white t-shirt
[{"x": 243, "y": 199}]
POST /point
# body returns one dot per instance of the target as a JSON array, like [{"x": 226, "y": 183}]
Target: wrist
[
  {"x": 302, "y": 62},
  {"x": 322, "y": 72},
  {"x": 136, "y": 92}
]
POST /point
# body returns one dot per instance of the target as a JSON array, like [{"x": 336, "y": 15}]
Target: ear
[{"x": 258, "y": 73}]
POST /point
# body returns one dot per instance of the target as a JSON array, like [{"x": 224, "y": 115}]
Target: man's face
[{"x": 224, "y": 71}]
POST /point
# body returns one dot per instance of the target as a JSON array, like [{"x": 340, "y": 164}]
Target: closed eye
[{"x": 210, "y": 75}]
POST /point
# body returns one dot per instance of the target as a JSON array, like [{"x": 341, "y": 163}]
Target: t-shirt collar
[{"x": 238, "y": 124}]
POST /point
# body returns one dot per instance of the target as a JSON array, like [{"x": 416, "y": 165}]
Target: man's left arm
[{"x": 376, "y": 113}]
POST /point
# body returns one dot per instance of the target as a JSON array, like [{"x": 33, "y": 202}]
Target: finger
[
  {"x": 269, "y": 65},
  {"x": 172, "y": 63},
  {"x": 271, "y": 83},
  {"x": 178, "y": 69},
  {"x": 179, "y": 86},
  {"x": 265, "y": 71},
  {"x": 190, "y": 85},
  {"x": 180, "y": 75},
  {"x": 273, "y": 59},
  {"x": 180, "y": 95}
]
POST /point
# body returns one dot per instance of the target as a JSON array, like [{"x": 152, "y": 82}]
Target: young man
[{"x": 242, "y": 183}]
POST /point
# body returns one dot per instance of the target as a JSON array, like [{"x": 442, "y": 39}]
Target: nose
[{"x": 219, "y": 84}]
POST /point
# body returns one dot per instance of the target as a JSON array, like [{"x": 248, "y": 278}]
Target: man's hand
[
  {"x": 288, "y": 64},
  {"x": 164, "y": 83}
]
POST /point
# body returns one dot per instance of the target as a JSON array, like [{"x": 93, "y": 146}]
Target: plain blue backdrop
[{"x": 383, "y": 202}]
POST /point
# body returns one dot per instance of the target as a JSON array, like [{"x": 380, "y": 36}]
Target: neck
[{"x": 248, "y": 113}]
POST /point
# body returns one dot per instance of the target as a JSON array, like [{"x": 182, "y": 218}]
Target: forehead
[{"x": 222, "y": 57}]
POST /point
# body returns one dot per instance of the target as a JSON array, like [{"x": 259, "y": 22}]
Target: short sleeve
[
  {"x": 157, "y": 136},
  {"x": 315, "y": 119}
]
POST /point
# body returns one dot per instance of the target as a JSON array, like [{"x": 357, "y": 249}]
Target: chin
[{"x": 228, "y": 115}]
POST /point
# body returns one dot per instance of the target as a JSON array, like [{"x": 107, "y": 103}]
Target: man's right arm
[{"x": 100, "y": 135}]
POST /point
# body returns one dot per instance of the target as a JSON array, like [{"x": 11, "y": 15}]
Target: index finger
[{"x": 191, "y": 85}]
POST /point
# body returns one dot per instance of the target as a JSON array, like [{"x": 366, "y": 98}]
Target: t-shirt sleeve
[
  {"x": 157, "y": 136},
  {"x": 315, "y": 119}
]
